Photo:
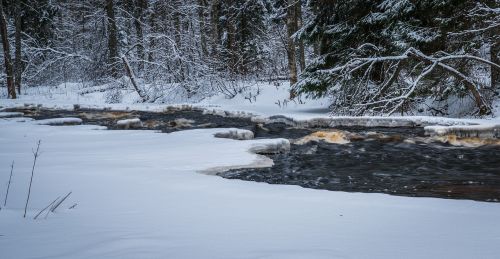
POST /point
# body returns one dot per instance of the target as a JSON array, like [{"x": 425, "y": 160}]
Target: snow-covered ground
[
  {"x": 262, "y": 100},
  {"x": 139, "y": 194}
]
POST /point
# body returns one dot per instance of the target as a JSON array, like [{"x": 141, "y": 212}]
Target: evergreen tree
[{"x": 387, "y": 56}]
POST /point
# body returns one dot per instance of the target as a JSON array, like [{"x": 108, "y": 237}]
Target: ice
[{"x": 59, "y": 121}]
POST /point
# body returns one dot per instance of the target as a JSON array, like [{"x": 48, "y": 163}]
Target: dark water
[
  {"x": 423, "y": 170},
  {"x": 382, "y": 165}
]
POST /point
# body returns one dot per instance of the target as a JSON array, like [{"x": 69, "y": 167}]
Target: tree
[
  {"x": 112, "y": 38},
  {"x": 18, "y": 59},
  {"x": 6, "y": 54},
  {"x": 139, "y": 8},
  {"x": 386, "y": 56},
  {"x": 301, "y": 51},
  {"x": 291, "y": 25}
]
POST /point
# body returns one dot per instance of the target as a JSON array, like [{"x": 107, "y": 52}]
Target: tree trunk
[
  {"x": 112, "y": 39},
  {"x": 6, "y": 54},
  {"x": 140, "y": 6},
  {"x": 131, "y": 75},
  {"x": 177, "y": 24},
  {"x": 215, "y": 26},
  {"x": 18, "y": 62},
  {"x": 495, "y": 58},
  {"x": 153, "y": 23},
  {"x": 291, "y": 24},
  {"x": 230, "y": 46},
  {"x": 302, "y": 56},
  {"x": 202, "y": 23}
]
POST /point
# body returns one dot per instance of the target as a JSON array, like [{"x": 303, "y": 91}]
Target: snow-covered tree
[{"x": 397, "y": 56}]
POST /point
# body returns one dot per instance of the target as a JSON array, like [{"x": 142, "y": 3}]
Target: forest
[
  {"x": 378, "y": 57},
  {"x": 245, "y": 129}
]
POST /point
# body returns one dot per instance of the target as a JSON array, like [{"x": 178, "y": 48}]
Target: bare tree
[
  {"x": 140, "y": 7},
  {"x": 112, "y": 38},
  {"x": 6, "y": 54},
  {"x": 300, "y": 42},
  {"x": 291, "y": 24},
  {"x": 202, "y": 5},
  {"x": 18, "y": 62}
]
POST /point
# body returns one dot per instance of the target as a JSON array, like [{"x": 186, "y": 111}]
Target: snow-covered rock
[
  {"x": 336, "y": 137},
  {"x": 182, "y": 123},
  {"x": 278, "y": 146},
  {"x": 237, "y": 134},
  {"x": 129, "y": 123},
  {"x": 59, "y": 121}
]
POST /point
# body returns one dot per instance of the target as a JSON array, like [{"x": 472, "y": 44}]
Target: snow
[
  {"x": 482, "y": 131},
  {"x": 129, "y": 123},
  {"x": 278, "y": 146},
  {"x": 139, "y": 196},
  {"x": 59, "y": 121},
  {"x": 10, "y": 114},
  {"x": 235, "y": 134}
]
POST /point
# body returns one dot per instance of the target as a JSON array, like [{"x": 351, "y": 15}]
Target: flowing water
[
  {"x": 399, "y": 168},
  {"x": 398, "y": 161}
]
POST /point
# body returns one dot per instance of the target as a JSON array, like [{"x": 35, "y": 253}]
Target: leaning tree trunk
[
  {"x": 131, "y": 76},
  {"x": 6, "y": 54},
  {"x": 112, "y": 39},
  {"x": 18, "y": 62},
  {"x": 291, "y": 25}
]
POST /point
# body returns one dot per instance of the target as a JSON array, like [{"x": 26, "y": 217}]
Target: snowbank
[
  {"x": 139, "y": 196},
  {"x": 479, "y": 131},
  {"x": 11, "y": 114},
  {"x": 59, "y": 121}
]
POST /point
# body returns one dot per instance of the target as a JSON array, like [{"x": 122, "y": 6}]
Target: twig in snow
[
  {"x": 59, "y": 203},
  {"x": 46, "y": 207},
  {"x": 8, "y": 185},
  {"x": 35, "y": 155},
  {"x": 73, "y": 206}
]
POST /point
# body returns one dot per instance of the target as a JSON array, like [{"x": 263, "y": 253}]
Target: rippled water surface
[{"x": 420, "y": 169}]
